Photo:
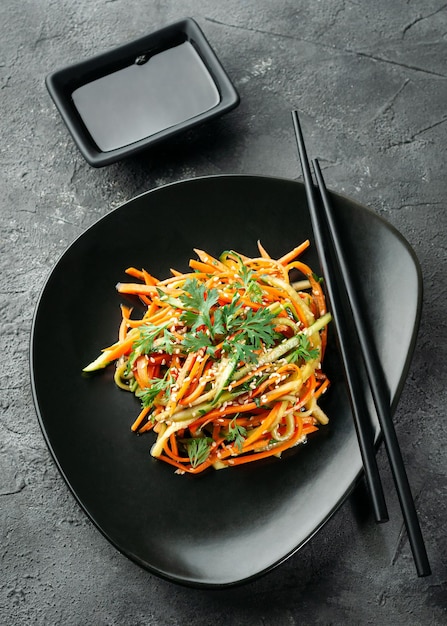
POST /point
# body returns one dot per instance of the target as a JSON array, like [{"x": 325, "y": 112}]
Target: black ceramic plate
[{"x": 229, "y": 526}]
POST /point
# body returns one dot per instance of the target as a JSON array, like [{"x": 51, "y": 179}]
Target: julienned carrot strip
[
  {"x": 120, "y": 348},
  {"x": 141, "y": 275},
  {"x": 180, "y": 386},
  {"x": 318, "y": 296},
  {"x": 137, "y": 423},
  {"x": 149, "y": 279},
  {"x": 309, "y": 428},
  {"x": 274, "y": 294},
  {"x": 321, "y": 389},
  {"x": 265, "y": 425},
  {"x": 173, "y": 444},
  {"x": 293, "y": 254},
  {"x": 263, "y": 266},
  {"x": 317, "y": 291},
  {"x": 136, "y": 289},
  {"x": 209, "y": 260},
  {"x": 125, "y": 312},
  {"x": 141, "y": 373},
  {"x": 179, "y": 278},
  {"x": 195, "y": 393},
  {"x": 194, "y": 377},
  {"x": 176, "y": 346},
  {"x": 135, "y": 273},
  {"x": 309, "y": 388},
  {"x": 146, "y": 426},
  {"x": 130, "y": 323},
  {"x": 152, "y": 308},
  {"x": 205, "y": 268},
  {"x": 227, "y": 297},
  {"x": 159, "y": 316},
  {"x": 262, "y": 251}
]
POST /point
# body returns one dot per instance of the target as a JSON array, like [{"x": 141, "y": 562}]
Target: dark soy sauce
[{"x": 146, "y": 97}]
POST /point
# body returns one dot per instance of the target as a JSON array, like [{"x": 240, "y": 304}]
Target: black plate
[
  {"x": 126, "y": 99},
  {"x": 229, "y": 526}
]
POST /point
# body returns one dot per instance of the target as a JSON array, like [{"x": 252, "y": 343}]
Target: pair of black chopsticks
[{"x": 347, "y": 315}]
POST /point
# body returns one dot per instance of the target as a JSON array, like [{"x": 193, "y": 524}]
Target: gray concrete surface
[{"x": 370, "y": 81}]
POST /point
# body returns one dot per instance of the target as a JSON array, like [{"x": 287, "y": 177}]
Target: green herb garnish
[
  {"x": 236, "y": 433},
  {"x": 198, "y": 450}
]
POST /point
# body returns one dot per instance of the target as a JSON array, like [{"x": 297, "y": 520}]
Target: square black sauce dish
[{"x": 125, "y": 100}]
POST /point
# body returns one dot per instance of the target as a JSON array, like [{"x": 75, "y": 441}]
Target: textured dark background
[{"x": 370, "y": 82}]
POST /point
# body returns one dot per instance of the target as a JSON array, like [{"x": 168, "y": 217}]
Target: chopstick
[
  {"x": 346, "y": 339},
  {"x": 347, "y": 315}
]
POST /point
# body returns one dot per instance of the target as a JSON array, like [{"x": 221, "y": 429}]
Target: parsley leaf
[
  {"x": 198, "y": 301},
  {"x": 304, "y": 351},
  {"x": 145, "y": 342},
  {"x": 257, "y": 327},
  {"x": 194, "y": 342},
  {"x": 240, "y": 350},
  {"x": 148, "y": 394},
  {"x": 226, "y": 318},
  {"x": 236, "y": 433},
  {"x": 166, "y": 342},
  {"x": 252, "y": 288},
  {"x": 245, "y": 330},
  {"x": 199, "y": 449}
]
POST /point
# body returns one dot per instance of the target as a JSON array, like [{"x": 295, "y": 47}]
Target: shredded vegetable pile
[{"x": 226, "y": 359}]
